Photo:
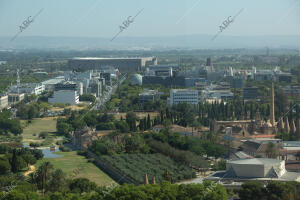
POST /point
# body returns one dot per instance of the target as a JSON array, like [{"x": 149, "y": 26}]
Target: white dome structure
[{"x": 136, "y": 79}]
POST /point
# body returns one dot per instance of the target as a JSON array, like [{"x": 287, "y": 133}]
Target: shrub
[
  {"x": 43, "y": 135},
  {"x": 81, "y": 153},
  {"x": 34, "y": 144},
  {"x": 59, "y": 105},
  {"x": 64, "y": 149}
]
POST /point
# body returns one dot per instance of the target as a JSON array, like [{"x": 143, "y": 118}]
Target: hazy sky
[{"x": 102, "y": 18}]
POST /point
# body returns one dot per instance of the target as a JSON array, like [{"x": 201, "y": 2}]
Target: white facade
[
  {"x": 65, "y": 96},
  {"x": 49, "y": 84},
  {"x": 28, "y": 88},
  {"x": 3, "y": 101},
  {"x": 80, "y": 88},
  {"x": 39, "y": 89},
  {"x": 183, "y": 96}
]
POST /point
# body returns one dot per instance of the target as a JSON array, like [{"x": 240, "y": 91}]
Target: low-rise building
[
  {"x": 183, "y": 96},
  {"x": 292, "y": 91},
  {"x": 216, "y": 94},
  {"x": 15, "y": 98},
  {"x": 148, "y": 95},
  {"x": 28, "y": 88},
  {"x": 259, "y": 147},
  {"x": 3, "y": 101}
]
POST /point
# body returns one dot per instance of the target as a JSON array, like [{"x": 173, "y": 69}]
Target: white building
[
  {"x": 65, "y": 96},
  {"x": 259, "y": 169},
  {"x": 3, "y": 101},
  {"x": 15, "y": 97},
  {"x": 28, "y": 88},
  {"x": 183, "y": 96},
  {"x": 50, "y": 84}
]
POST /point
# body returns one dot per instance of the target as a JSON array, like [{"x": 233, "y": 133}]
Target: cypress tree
[
  {"x": 14, "y": 167},
  {"x": 145, "y": 123},
  {"x": 148, "y": 122}
]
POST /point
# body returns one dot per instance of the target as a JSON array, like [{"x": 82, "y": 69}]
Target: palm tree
[{"x": 43, "y": 174}]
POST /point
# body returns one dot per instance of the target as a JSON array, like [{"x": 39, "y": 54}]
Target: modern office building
[
  {"x": 236, "y": 82},
  {"x": 107, "y": 77},
  {"x": 284, "y": 77},
  {"x": 96, "y": 87},
  {"x": 67, "y": 85},
  {"x": 123, "y": 64},
  {"x": 65, "y": 92},
  {"x": 161, "y": 70},
  {"x": 183, "y": 96},
  {"x": 65, "y": 96},
  {"x": 250, "y": 92}
]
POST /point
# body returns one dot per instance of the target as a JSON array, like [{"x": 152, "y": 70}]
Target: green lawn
[
  {"x": 36, "y": 127},
  {"x": 71, "y": 161}
]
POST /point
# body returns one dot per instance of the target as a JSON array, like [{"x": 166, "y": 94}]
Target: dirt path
[{"x": 31, "y": 169}]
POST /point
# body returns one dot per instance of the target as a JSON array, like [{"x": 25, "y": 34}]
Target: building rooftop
[
  {"x": 54, "y": 80},
  {"x": 256, "y": 161},
  {"x": 99, "y": 58}
]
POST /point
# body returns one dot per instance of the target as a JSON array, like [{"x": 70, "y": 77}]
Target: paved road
[{"x": 107, "y": 95}]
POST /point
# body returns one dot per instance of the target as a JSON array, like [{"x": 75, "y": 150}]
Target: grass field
[
  {"x": 71, "y": 161},
  {"x": 72, "y": 107},
  {"x": 138, "y": 114},
  {"x": 31, "y": 131}
]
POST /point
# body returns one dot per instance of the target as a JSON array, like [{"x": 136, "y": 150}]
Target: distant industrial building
[
  {"x": 272, "y": 75},
  {"x": 123, "y": 64},
  {"x": 183, "y": 96}
]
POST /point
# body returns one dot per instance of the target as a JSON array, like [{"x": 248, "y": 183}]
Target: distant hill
[{"x": 150, "y": 43}]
